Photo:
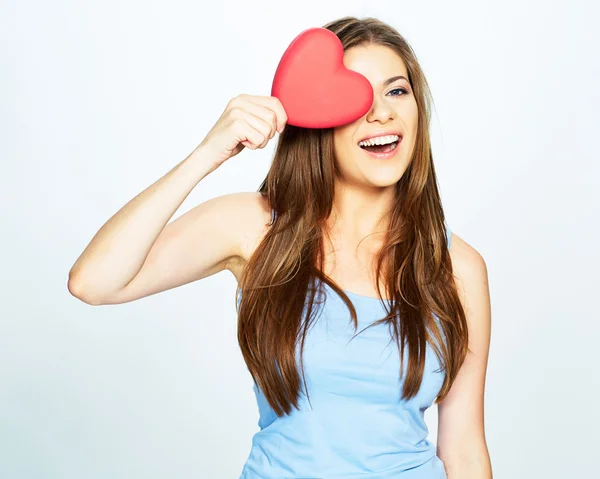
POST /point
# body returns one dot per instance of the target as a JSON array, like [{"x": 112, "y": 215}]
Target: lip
[{"x": 383, "y": 156}]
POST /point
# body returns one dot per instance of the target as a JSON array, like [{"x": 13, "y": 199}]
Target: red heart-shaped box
[{"x": 314, "y": 86}]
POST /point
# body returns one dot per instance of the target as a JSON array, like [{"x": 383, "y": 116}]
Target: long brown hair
[{"x": 278, "y": 283}]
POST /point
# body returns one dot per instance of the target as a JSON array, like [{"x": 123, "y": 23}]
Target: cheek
[
  {"x": 342, "y": 141},
  {"x": 413, "y": 113}
]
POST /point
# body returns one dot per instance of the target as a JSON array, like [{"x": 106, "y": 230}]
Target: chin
[{"x": 383, "y": 177}]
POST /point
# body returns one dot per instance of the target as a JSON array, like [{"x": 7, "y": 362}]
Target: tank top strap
[{"x": 273, "y": 216}]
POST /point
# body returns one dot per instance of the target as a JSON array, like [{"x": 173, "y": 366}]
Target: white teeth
[{"x": 380, "y": 140}]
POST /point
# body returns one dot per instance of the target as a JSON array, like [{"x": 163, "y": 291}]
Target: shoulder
[
  {"x": 252, "y": 219},
  {"x": 471, "y": 279},
  {"x": 467, "y": 262},
  {"x": 470, "y": 273},
  {"x": 250, "y": 205}
]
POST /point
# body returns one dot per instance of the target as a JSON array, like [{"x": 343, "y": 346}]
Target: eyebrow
[{"x": 393, "y": 79}]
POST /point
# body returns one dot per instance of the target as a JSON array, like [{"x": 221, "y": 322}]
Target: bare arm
[
  {"x": 119, "y": 249},
  {"x": 136, "y": 253}
]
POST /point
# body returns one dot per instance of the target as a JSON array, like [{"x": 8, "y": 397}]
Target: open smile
[{"x": 382, "y": 149}]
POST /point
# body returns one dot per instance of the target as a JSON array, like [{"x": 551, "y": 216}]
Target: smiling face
[{"x": 394, "y": 111}]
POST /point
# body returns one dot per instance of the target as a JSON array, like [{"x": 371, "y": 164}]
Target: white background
[{"x": 100, "y": 99}]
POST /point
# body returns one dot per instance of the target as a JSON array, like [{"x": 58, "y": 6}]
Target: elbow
[
  {"x": 476, "y": 466},
  {"x": 75, "y": 287}
]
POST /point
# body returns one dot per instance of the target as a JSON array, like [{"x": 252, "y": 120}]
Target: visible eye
[{"x": 399, "y": 89}]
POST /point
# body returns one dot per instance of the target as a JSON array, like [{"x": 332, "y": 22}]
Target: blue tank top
[{"x": 355, "y": 425}]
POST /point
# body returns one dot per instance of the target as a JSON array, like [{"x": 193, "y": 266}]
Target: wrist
[{"x": 204, "y": 157}]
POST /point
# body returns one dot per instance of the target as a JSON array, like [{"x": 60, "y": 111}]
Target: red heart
[{"x": 314, "y": 86}]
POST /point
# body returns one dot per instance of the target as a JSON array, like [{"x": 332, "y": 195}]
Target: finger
[
  {"x": 262, "y": 112},
  {"x": 247, "y": 132},
  {"x": 273, "y": 104},
  {"x": 261, "y": 126}
]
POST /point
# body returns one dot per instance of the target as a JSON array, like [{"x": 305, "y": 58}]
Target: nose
[{"x": 380, "y": 111}]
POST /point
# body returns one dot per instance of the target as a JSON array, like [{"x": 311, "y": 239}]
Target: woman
[{"x": 345, "y": 236}]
